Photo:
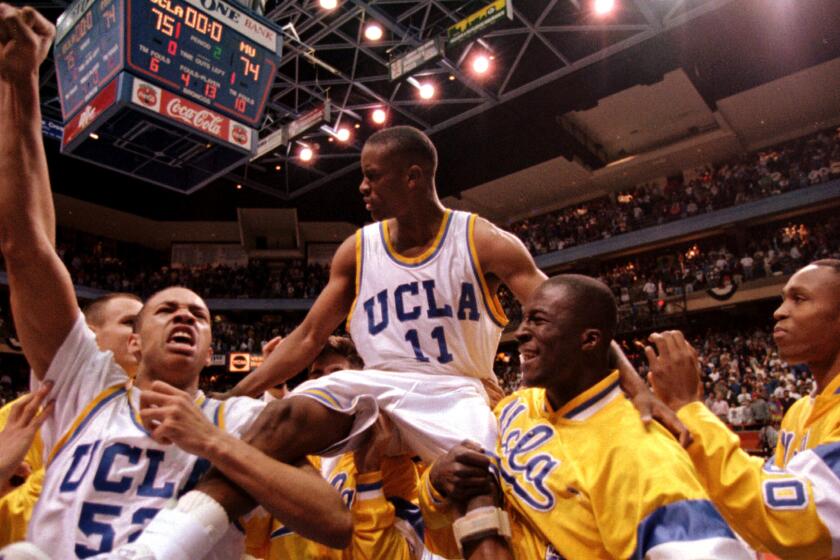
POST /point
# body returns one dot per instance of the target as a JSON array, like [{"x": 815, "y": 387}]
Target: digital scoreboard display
[
  {"x": 88, "y": 51},
  {"x": 209, "y": 51}
]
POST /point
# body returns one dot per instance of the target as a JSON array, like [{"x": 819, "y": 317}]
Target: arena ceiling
[{"x": 555, "y": 59}]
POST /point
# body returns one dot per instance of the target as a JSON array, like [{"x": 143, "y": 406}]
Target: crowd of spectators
[
  {"x": 249, "y": 335},
  {"x": 100, "y": 264},
  {"x": 796, "y": 164},
  {"x": 773, "y": 250},
  {"x": 643, "y": 284}
]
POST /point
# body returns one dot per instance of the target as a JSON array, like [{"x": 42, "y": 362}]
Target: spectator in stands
[
  {"x": 760, "y": 410},
  {"x": 720, "y": 407}
]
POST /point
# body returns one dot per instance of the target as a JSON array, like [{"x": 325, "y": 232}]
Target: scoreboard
[{"x": 209, "y": 51}]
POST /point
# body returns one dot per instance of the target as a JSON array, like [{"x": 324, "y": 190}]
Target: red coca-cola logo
[
  {"x": 239, "y": 135},
  {"x": 201, "y": 119},
  {"x": 147, "y": 95}
]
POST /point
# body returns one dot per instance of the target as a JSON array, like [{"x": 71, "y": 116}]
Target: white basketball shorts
[{"x": 431, "y": 412}]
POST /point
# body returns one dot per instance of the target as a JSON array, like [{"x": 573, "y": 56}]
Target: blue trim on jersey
[
  {"x": 87, "y": 419},
  {"x": 595, "y": 398},
  {"x": 410, "y": 513},
  {"x": 683, "y": 521},
  {"x": 830, "y": 455},
  {"x": 139, "y": 426},
  {"x": 480, "y": 280},
  {"x": 320, "y": 399},
  {"x": 332, "y": 396},
  {"x": 369, "y": 487},
  {"x": 424, "y": 261},
  {"x": 216, "y": 415},
  {"x": 281, "y": 532}
]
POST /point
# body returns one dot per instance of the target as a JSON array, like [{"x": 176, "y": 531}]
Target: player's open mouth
[
  {"x": 181, "y": 340},
  {"x": 526, "y": 355}
]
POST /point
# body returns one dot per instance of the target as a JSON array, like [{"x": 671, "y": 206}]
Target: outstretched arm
[
  {"x": 785, "y": 507},
  {"x": 44, "y": 305},
  {"x": 297, "y": 350},
  {"x": 504, "y": 258}
]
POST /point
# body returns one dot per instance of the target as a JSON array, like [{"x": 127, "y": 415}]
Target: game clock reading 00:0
[{"x": 205, "y": 50}]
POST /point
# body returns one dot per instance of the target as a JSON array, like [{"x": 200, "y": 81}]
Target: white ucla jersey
[
  {"x": 106, "y": 477},
  {"x": 433, "y": 313}
]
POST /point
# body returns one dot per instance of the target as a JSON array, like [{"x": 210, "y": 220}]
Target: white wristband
[
  {"x": 187, "y": 532},
  {"x": 481, "y": 522}
]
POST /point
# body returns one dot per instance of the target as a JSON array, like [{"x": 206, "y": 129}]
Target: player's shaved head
[
  {"x": 407, "y": 142},
  {"x": 591, "y": 302}
]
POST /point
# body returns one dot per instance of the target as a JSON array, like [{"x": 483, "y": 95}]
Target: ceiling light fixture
[
  {"x": 379, "y": 116},
  {"x": 603, "y": 7},
  {"x": 373, "y": 32}
]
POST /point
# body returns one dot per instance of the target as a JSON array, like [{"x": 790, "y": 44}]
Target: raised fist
[{"x": 25, "y": 39}]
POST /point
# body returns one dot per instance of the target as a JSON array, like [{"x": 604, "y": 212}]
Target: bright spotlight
[
  {"x": 481, "y": 64},
  {"x": 342, "y": 134},
  {"x": 427, "y": 91},
  {"x": 328, "y": 4},
  {"x": 379, "y": 116},
  {"x": 603, "y": 7},
  {"x": 305, "y": 153},
  {"x": 373, "y": 32}
]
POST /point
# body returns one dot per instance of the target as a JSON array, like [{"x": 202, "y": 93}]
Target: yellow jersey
[
  {"x": 384, "y": 528},
  {"x": 16, "y": 506},
  {"x": 590, "y": 480},
  {"x": 790, "y": 505}
]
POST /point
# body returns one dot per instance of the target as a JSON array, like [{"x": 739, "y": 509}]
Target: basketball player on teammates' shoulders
[
  {"x": 110, "y": 465},
  {"x": 418, "y": 290}
]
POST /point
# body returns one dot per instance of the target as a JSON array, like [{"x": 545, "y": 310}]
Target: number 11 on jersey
[{"x": 437, "y": 334}]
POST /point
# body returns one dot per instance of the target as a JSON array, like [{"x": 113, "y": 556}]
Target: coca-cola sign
[
  {"x": 147, "y": 96},
  {"x": 202, "y": 119},
  {"x": 183, "y": 112},
  {"x": 239, "y": 135}
]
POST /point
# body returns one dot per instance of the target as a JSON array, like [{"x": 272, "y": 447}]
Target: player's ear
[
  {"x": 590, "y": 339},
  {"x": 415, "y": 174},
  {"x": 209, "y": 359},
  {"x": 134, "y": 346}
]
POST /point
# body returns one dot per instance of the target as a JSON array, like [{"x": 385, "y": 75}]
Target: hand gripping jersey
[
  {"x": 106, "y": 478},
  {"x": 432, "y": 313},
  {"x": 789, "y": 506},
  {"x": 591, "y": 481},
  {"x": 16, "y": 506}
]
